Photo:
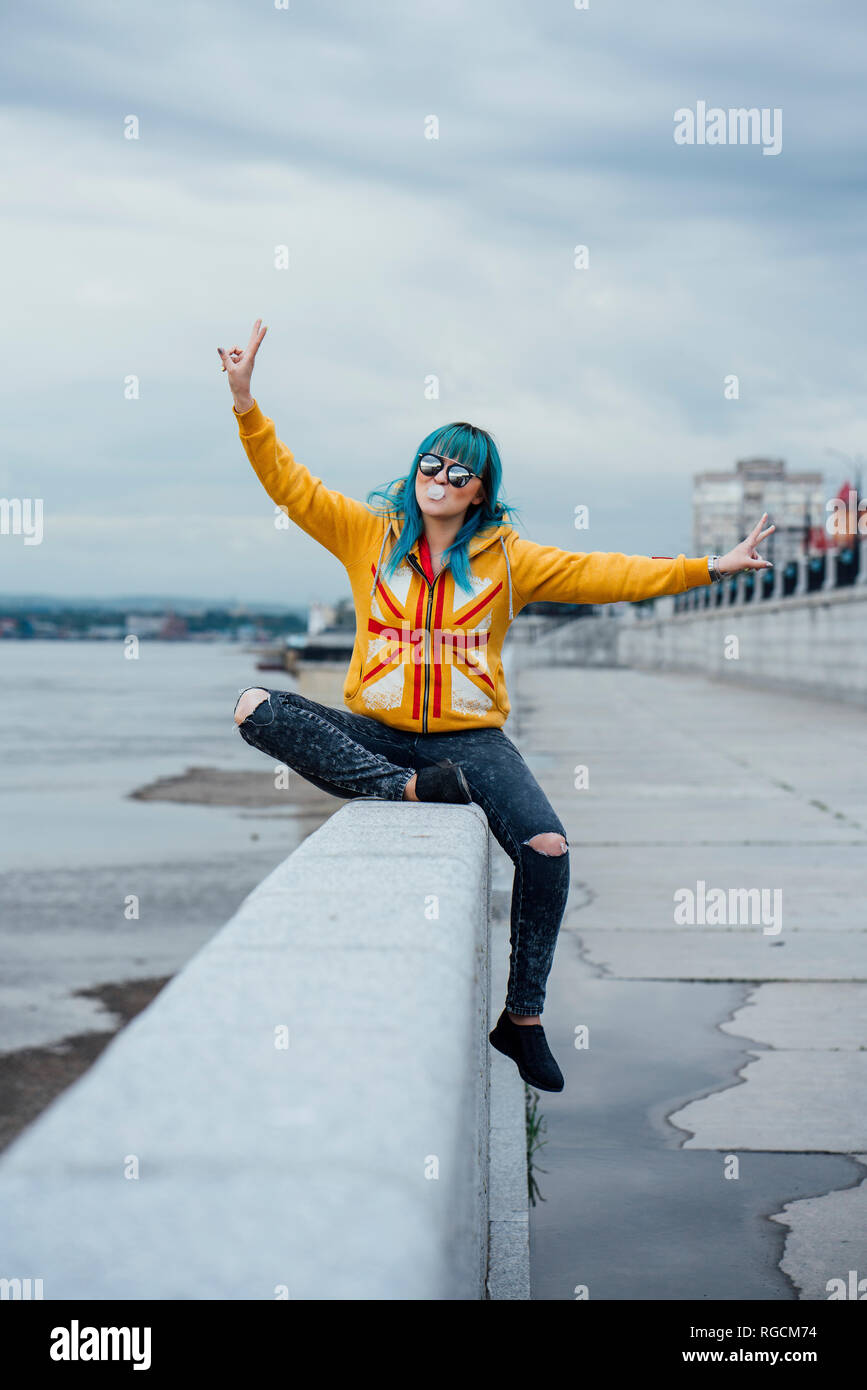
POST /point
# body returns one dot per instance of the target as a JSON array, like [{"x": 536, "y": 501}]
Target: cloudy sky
[{"x": 411, "y": 257}]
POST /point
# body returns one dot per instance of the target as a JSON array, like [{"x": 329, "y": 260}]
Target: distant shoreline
[{"x": 31, "y": 1077}]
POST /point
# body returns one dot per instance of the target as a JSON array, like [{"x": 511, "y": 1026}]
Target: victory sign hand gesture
[{"x": 745, "y": 556}]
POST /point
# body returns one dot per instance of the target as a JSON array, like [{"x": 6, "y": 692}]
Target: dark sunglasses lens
[{"x": 457, "y": 475}]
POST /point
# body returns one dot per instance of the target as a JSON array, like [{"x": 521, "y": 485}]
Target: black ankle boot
[
  {"x": 444, "y": 782},
  {"x": 526, "y": 1045}
]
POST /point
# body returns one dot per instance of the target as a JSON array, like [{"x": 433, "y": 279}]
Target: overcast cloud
[{"x": 410, "y": 257}]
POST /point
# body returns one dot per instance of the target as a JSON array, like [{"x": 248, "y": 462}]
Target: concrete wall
[
  {"x": 815, "y": 643},
  {"x": 304, "y": 1110},
  {"x": 587, "y": 641}
]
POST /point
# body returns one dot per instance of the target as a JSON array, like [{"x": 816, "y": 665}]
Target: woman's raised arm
[{"x": 341, "y": 524}]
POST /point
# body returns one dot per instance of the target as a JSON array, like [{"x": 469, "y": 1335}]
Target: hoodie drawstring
[
  {"x": 379, "y": 561},
  {"x": 509, "y": 573}
]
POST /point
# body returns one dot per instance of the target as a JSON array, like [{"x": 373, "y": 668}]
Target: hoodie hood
[{"x": 479, "y": 542}]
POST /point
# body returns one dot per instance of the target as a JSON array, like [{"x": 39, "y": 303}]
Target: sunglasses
[{"x": 457, "y": 473}]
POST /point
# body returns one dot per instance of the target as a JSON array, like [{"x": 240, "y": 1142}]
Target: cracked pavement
[{"x": 694, "y": 787}]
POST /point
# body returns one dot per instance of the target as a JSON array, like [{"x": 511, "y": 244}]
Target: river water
[{"x": 84, "y": 728}]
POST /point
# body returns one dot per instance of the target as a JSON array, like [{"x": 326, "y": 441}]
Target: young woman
[{"x": 437, "y": 576}]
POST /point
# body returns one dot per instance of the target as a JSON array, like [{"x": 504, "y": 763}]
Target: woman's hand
[
  {"x": 238, "y": 363},
  {"x": 745, "y": 556}
]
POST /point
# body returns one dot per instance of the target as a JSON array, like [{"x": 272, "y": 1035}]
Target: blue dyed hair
[{"x": 476, "y": 449}]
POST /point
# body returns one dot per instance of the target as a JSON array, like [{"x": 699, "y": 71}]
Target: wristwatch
[{"x": 713, "y": 569}]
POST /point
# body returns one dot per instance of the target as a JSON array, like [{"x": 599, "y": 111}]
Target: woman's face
[{"x": 437, "y": 497}]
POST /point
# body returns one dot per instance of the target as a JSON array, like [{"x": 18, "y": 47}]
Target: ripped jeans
[{"x": 351, "y": 755}]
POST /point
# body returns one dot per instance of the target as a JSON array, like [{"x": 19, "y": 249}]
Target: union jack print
[{"x": 435, "y": 638}]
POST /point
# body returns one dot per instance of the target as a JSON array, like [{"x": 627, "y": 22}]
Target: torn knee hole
[
  {"x": 248, "y": 701},
  {"x": 549, "y": 842}
]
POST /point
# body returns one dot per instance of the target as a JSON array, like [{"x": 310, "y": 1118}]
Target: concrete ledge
[{"x": 291, "y": 1116}]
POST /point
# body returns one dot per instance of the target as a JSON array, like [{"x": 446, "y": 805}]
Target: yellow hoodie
[{"x": 427, "y": 656}]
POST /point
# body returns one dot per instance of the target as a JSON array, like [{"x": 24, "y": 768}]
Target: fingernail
[{"x": 220, "y": 351}]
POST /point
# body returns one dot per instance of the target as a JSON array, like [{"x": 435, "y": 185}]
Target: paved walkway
[{"x": 693, "y": 788}]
